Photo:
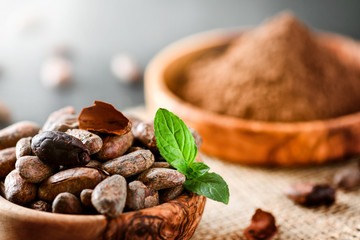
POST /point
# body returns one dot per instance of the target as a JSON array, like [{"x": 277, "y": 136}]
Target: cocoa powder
[{"x": 279, "y": 71}]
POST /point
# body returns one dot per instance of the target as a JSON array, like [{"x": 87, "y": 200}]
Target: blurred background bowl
[{"x": 246, "y": 141}]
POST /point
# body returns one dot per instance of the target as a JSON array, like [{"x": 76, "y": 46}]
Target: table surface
[{"x": 95, "y": 30}]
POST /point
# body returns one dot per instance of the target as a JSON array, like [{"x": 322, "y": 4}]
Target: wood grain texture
[
  {"x": 176, "y": 219},
  {"x": 246, "y": 141}
]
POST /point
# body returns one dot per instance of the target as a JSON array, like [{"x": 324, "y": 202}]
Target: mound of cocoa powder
[{"x": 279, "y": 71}]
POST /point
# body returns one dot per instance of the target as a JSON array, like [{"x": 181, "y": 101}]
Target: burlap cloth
[{"x": 255, "y": 187}]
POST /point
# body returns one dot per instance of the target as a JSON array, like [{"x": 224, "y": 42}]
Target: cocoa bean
[
  {"x": 144, "y": 132},
  {"x": 171, "y": 193},
  {"x": 66, "y": 203},
  {"x": 33, "y": 170},
  {"x": 161, "y": 178},
  {"x": 85, "y": 197},
  {"x": 348, "y": 178},
  {"x": 72, "y": 180},
  {"x": 23, "y": 147},
  {"x": 94, "y": 164},
  {"x": 130, "y": 164},
  {"x": 40, "y": 205},
  {"x": 92, "y": 141},
  {"x": 13, "y": 133},
  {"x": 136, "y": 195},
  {"x": 7, "y": 161},
  {"x": 161, "y": 165},
  {"x": 61, "y": 120},
  {"x": 114, "y": 146},
  {"x": 58, "y": 148},
  {"x": 17, "y": 190},
  {"x": 109, "y": 196}
]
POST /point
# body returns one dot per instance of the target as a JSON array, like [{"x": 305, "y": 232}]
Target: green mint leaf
[
  {"x": 174, "y": 140},
  {"x": 210, "y": 185},
  {"x": 197, "y": 169}
]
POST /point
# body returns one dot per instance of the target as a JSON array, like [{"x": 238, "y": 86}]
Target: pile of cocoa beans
[{"x": 63, "y": 169}]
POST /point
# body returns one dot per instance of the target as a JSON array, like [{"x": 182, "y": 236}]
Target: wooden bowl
[
  {"x": 246, "y": 141},
  {"x": 176, "y": 219}
]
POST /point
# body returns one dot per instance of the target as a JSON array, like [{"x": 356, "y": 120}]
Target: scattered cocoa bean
[
  {"x": 7, "y": 161},
  {"x": 61, "y": 120},
  {"x": 92, "y": 141},
  {"x": 170, "y": 193},
  {"x": 144, "y": 132},
  {"x": 60, "y": 148},
  {"x": 161, "y": 178},
  {"x": 125, "y": 69},
  {"x": 56, "y": 72},
  {"x": 17, "y": 190},
  {"x": 72, "y": 180},
  {"x": 109, "y": 196},
  {"x": 130, "y": 164},
  {"x": 161, "y": 165},
  {"x": 13, "y": 133},
  {"x": 23, "y": 147},
  {"x": 262, "y": 227},
  {"x": 114, "y": 146},
  {"x": 347, "y": 179},
  {"x": 40, "y": 205},
  {"x": 310, "y": 195},
  {"x": 33, "y": 170},
  {"x": 66, "y": 203}
]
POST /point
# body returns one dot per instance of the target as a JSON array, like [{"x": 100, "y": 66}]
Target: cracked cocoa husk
[
  {"x": 103, "y": 117},
  {"x": 262, "y": 227}
]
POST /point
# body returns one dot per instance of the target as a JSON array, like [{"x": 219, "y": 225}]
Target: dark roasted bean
[
  {"x": 66, "y": 203},
  {"x": 72, "y": 180},
  {"x": 40, "y": 205},
  {"x": 33, "y": 170},
  {"x": 23, "y": 147},
  {"x": 92, "y": 141},
  {"x": 114, "y": 146},
  {"x": 161, "y": 178},
  {"x": 13, "y": 133},
  {"x": 130, "y": 164},
  {"x": 7, "y": 161},
  {"x": 311, "y": 195},
  {"x": 61, "y": 120},
  {"x": 17, "y": 190},
  {"x": 109, "y": 196},
  {"x": 60, "y": 148}
]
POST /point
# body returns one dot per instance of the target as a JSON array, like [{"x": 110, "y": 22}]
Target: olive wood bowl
[
  {"x": 247, "y": 141},
  {"x": 176, "y": 219}
]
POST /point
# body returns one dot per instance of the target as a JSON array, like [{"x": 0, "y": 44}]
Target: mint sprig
[{"x": 177, "y": 146}]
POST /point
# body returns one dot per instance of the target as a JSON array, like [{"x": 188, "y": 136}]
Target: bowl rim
[{"x": 220, "y": 37}]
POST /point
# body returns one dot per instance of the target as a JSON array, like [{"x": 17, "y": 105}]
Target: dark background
[{"x": 95, "y": 30}]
